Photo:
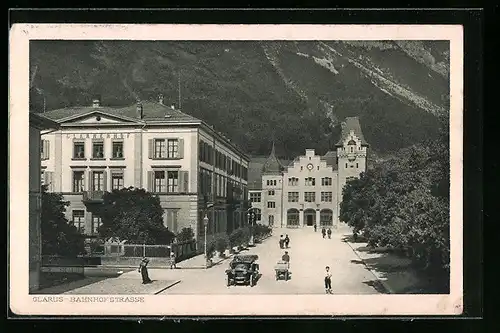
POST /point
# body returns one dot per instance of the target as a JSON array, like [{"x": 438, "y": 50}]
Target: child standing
[{"x": 328, "y": 280}]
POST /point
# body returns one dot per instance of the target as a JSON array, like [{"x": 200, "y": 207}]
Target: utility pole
[{"x": 180, "y": 106}]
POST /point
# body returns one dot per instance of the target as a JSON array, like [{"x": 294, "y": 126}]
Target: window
[
  {"x": 293, "y": 196},
  {"x": 270, "y": 192},
  {"x": 258, "y": 214},
  {"x": 98, "y": 181},
  {"x": 293, "y": 181},
  {"x": 326, "y": 181},
  {"x": 255, "y": 197},
  {"x": 96, "y": 223},
  {"x": 346, "y": 165},
  {"x": 271, "y": 204},
  {"x": 350, "y": 178},
  {"x": 173, "y": 148},
  {"x": 173, "y": 182},
  {"x": 98, "y": 149},
  {"x": 326, "y": 196},
  {"x": 116, "y": 180},
  {"x": 171, "y": 219},
  {"x": 160, "y": 148},
  {"x": 357, "y": 166},
  {"x": 271, "y": 220},
  {"x": 78, "y": 220},
  {"x": 44, "y": 149},
  {"x": 326, "y": 218},
  {"x": 117, "y": 149},
  {"x": 78, "y": 181},
  {"x": 160, "y": 183},
  {"x": 309, "y": 196},
  {"x": 310, "y": 181},
  {"x": 79, "y": 149}
]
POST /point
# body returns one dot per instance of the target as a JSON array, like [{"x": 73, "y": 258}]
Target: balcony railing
[{"x": 93, "y": 195}]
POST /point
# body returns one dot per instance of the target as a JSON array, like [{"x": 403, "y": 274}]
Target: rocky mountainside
[{"x": 293, "y": 93}]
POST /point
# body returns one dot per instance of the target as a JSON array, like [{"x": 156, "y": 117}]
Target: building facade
[
  {"x": 36, "y": 125},
  {"x": 308, "y": 191},
  {"x": 149, "y": 145}
]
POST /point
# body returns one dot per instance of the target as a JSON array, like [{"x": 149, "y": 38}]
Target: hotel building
[
  {"x": 148, "y": 145},
  {"x": 308, "y": 191}
]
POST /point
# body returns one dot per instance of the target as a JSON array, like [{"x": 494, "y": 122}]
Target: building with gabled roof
[
  {"x": 149, "y": 145},
  {"x": 308, "y": 191}
]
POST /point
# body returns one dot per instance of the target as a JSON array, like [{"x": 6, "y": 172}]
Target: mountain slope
[{"x": 295, "y": 93}]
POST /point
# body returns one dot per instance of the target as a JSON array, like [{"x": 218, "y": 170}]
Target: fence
[{"x": 181, "y": 250}]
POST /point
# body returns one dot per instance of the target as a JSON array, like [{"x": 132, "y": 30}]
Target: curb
[
  {"x": 386, "y": 286},
  {"x": 167, "y": 287}
]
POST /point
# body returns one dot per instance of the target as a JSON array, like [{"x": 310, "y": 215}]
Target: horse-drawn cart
[{"x": 282, "y": 270}]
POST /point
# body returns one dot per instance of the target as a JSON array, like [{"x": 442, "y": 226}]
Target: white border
[{"x": 280, "y": 305}]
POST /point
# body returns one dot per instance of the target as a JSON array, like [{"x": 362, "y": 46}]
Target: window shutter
[
  {"x": 181, "y": 182},
  {"x": 105, "y": 180},
  {"x": 150, "y": 148},
  {"x": 150, "y": 181},
  {"x": 184, "y": 181},
  {"x": 89, "y": 181},
  {"x": 48, "y": 180},
  {"x": 181, "y": 148}
]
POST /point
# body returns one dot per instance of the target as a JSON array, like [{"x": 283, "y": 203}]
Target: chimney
[
  {"x": 140, "y": 113},
  {"x": 160, "y": 99},
  {"x": 96, "y": 103}
]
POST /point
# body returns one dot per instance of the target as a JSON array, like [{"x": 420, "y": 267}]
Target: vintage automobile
[{"x": 243, "y": 269}]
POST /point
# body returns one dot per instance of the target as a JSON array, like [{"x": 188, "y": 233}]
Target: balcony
[{"x": 93, "y": 196}]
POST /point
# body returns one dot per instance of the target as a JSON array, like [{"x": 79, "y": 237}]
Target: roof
[
  {"x": 39, "y": 121},
  {"x": 245, "y": 257},
  {"x": 152, "y": 111},
  {"x": 348, "y": 125},
  {"x": 272, "y": 164},
  {"x": 331, "y": 159}
]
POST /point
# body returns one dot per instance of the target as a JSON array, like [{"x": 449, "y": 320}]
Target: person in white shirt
[{"x": 328, "y": 280}]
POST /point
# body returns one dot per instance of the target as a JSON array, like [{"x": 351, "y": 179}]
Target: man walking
[
  {"x": 323, "y": 232},
  {"x": 328, "y": 280},
  {"x": 315, "y": 227},
  {"x": 329, "y": 233}
]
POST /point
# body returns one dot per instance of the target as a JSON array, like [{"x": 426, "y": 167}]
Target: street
[{"x": 309, "y": 254}]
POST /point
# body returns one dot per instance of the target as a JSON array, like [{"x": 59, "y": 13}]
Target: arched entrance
[
  {"x": 326, "y": 218},
  {"x": 310, "y": 217},
  {"x": 292, "y": 218}
]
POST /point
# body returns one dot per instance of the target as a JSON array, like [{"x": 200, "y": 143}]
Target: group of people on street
[
  {"x": 324, "y": 231},
  {"x": 284, "y": 242}
]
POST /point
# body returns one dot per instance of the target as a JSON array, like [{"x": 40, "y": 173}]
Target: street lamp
[{"x": 205, "y": 223}]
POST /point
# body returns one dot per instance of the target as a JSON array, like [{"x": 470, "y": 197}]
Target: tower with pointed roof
[
  {"x": 272, "y": 189},
  {"x": 351, "y": 153}
]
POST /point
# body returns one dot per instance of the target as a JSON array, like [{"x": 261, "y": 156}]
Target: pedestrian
[
  {"x": 328, "y": 280},
  {"x": 286, "y": 258},
  {"x": 143, "y": 269},
  {"x": 287, "y": 241},
  {"x": 282, "y": 242},
  {"x": 323, "y": 232},
  {"x": 172, "y": 260},
  {"x": 315, "y": 227},
  {"x": 329, "y": 233}
]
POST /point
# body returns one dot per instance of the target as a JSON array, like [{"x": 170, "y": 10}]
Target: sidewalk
[
  {"x": 198, "y": 262},
  {"x": 394, "y": 272},
  {"x": 110, "y": 286}
]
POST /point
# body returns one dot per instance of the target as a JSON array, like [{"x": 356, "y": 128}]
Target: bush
[
  {"x": 261, "y": 231},
  {"x": 211, "y": 247},
  {"x": 221, "y": 243},
  {"x": 186, "y": 234},
  {"x": 236, "y": 237}
]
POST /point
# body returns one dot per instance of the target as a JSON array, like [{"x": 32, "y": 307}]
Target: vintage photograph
[{"x": 238, "y": 167}]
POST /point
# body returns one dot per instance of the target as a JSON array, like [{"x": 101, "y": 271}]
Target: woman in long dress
[{"x": 143, "y": 269}]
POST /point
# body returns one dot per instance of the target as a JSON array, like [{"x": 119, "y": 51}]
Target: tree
[
  {"x": 134, "y": 215},
  {"x": 59, "y": 237}
]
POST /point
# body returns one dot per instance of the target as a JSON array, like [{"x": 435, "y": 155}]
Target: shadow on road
[{"x": 377, "y": 285}]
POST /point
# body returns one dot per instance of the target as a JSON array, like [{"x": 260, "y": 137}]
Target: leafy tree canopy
[
  {"x": 134, "y": 215},
  {"x": 59, "y": 237}
]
